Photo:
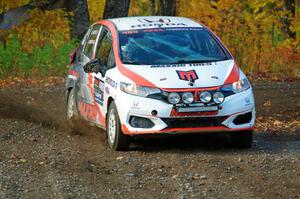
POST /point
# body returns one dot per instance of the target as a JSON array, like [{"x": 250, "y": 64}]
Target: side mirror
[{"x": 94, "y": 66}]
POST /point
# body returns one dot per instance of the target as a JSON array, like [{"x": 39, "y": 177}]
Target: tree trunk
[
  {"x": 81, "y": 19},
  {"x": 79, "y": 22},
  {"x": 290, "y": 6},
  {"x": 116, "y": 8},
  {"x": 167, "y": 7},
  {"x": 153, "y": 8}
]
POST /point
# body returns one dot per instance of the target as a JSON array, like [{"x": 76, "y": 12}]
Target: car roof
[{"x": 147, "y": 22}]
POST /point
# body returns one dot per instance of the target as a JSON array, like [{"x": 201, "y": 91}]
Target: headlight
[
  {"x": 238, "y": 86},
  {"x": 205, "y": 97},
  {"x": 174, "y": 98},
  {"x": 188, "y": 98},
  {"x": 218, "y": 97},
  {"x": 142, "y": 91}
]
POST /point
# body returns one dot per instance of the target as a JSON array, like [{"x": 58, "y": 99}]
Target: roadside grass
[{"x": 39, "y": 62}]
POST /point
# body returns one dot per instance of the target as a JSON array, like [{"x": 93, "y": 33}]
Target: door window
[
  {"x": 104, "y": 49},
  {"x": 90, "y": 43}
]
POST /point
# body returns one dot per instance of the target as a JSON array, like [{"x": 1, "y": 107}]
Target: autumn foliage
[
  {"x": 252, "y": 30},
  {"x": 257, "y": 32}
]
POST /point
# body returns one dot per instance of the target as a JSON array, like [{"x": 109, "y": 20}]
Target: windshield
[{"x": 169, "y": 46}]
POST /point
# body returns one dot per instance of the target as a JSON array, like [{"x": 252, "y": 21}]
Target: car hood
[{"x": 180, "y": 75}]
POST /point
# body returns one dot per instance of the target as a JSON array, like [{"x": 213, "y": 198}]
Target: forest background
[{"x": 38, "y": 36}]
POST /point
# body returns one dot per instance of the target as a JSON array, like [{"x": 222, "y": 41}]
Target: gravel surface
[{"x": 39, "y": 158}]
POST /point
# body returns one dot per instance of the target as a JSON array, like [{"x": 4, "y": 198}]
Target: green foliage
[{"x": 41, "y": 61}]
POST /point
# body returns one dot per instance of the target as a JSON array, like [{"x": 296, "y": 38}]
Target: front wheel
[
  {"x": 242, "y": 139},
  {"x": 115, "y": 137}
]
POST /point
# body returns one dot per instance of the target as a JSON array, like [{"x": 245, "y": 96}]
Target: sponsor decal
[
  {"x": 162, "y": 22},
  {"x": 130, "y": 32},
  {"x": 106, "y": 90},
  {"x": 135, "y": 105},
  {"x": 214, "y": 77},
  {"x": 88, "y": 111},
  {"x": 155, "y": 29},
  {"x": 167, "y": 65},
  {"x": 98, "y": 88},
  {"x": 111, "y": 82},
  {"x": 247, "y": 101},
  {"x": 190, "y": 75},
  {"x": 175, "y": 113},
  {"x": 201, "y": 64},
  {"x": 179, "y": 65}
]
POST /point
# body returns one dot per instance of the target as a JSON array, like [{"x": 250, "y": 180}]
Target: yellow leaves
[
  {"x": 214, "y": 3},
  {"x": 96, "y": 8},
  {"x": 8, "y": 4},
  {"x": 141, "y": 7},
  {"x": 252, "y": 30},
  {"x": 44, "y": 27}
]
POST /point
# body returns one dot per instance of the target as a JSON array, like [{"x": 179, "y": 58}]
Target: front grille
[{"x": 193, "y": 122}]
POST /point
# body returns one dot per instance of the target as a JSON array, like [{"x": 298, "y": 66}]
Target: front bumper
[{"x": 236, "y": 113}]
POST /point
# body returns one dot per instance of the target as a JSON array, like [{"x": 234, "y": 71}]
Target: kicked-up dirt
[{"x": 39, "y": 158}]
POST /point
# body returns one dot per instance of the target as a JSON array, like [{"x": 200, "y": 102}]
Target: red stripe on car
[{"x": 234, "y": 75}]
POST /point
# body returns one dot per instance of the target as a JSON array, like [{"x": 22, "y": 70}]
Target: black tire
[
  {"x": 116, "y": 140},
  {"x": 242, "y": 139},
  {"x": 72, "y": 111}
]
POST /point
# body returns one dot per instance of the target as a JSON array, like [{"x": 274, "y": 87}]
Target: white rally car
[{"x": 158, "y": 75}]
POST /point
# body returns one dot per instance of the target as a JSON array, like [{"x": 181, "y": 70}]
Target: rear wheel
[
  {"x": 242, "y": 139},
  {"x": 116, "y": 139},
  {"x": 72, "y": 111}
]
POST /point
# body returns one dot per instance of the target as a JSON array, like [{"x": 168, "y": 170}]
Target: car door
[
  {"x": 103, "y": 52},
  {"x": 85, "y": 95}
]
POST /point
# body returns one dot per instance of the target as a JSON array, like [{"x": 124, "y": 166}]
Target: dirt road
[{"x": 40, "y": 159}]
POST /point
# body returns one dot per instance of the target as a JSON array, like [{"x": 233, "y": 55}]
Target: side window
[
  {"x": 104, "y": 49},
  {"x": 84, "y": 39},
  {"x": 90, "y": 42}
]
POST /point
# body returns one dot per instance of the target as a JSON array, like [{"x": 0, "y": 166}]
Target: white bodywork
[
  {"x": 165, "y": 77},
  {"x": 133, "y": 23}
]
